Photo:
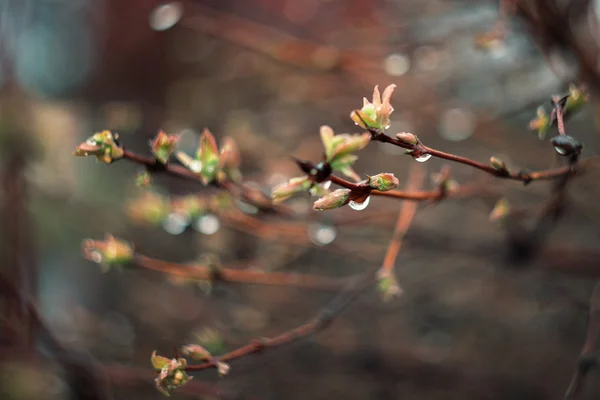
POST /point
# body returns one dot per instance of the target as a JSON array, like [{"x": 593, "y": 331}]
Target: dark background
[{"x": 469, "y": 325}]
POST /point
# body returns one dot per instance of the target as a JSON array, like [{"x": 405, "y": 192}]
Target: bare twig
[
  {"x": 523, "y": 176},
  {"x": 241, "y": 276},
  {"x": 323, "y": 319},
  {"x": 252, "y": 196},
  {"x": 405, "y": 217},
  {"x": 587, "y": 358}
]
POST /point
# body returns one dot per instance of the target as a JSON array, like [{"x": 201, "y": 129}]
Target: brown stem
[
  {"x": 318, "y": 323},
  {"x": 363, "y": 188},
  {"x": 241, "y": 276},
  {"x": 405, "y": 217},
  {"x": 586, "y": 358},
  {"x": 252, "y": 196},
  {"x": 522, "y": 176}
]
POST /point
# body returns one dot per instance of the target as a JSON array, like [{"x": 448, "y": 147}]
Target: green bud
[
  {"x": 103, "y": 145},
  {"x": 500, "y": 211},
  {"x": 375, "y": 114},
  {"x": 383, "y": 182},
  {"x": 229, "y": 160},
  {"x": 107, "y": 252},
  {"x": 335, "y": 199},
  {"x": 338, "y": 147},
  {"x": 159, "y": 362},
  {"x": 498, "y": 164},
  {"x": 576, "y": 100},
  {"x": 196, "y": 351},
  {"x": 541, "y": 123},
  {"x": 388, "y": 287},
  {"x": 163, "y": 146},
  {"x": 407, "y": 138},
  {"x": 287, "y": 189}
]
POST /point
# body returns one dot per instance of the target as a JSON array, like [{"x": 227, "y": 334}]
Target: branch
[
  {"x": 587, "y": 360},
  {"x": 318, "y": 323},
  {"x": 411, "y": 195},
  {"x": 405, "y": 217},
  {"x": 522, "y": 176},
  {"x": 251, "y": 196},
  {"x": 239, "y": 276}
]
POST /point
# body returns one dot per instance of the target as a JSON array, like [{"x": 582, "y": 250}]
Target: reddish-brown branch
[
  {"x": 321, "y": 321},
  {"x": 251, "y": 196},
  {"x": 522, "y": 176},
  {"x": 405, "y": 217},
  {"x": 586, "y": 359},
  {"x": 411, "y": 195},
  {"x": 241, "y": 276}
]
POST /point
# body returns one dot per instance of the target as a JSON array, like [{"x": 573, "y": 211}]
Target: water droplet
[
  {"x": 165, "y": 16},
  {"x": 96, "y": 257},
  {"x": 423, "y": 157},
  {"x": 560, "y": 150},
  {"x": 176, "y": 223},
  {"x": 208, "y": 224},
  {"x": 195, "y": 166},
  {"x": 360, "y": 206},
  {"x": 321, "y": 234}
]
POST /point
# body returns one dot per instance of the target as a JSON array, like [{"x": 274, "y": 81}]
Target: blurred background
[{"x": 269, "y": 73}]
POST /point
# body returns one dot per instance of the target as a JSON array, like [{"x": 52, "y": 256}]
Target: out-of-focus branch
[
  {"x": 252, "y": 196},
  {"x": 241, "y": 276},
  {"x": 405, "y": 217},
  {"x": 323, "y": 319},
  {"x": 587, "y": 358}
]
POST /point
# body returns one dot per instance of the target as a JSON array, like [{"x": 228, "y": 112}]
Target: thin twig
[
  {"x": 323, "y": 319},
  {"x": 522, "y": 176},
  {"x": 241, "y": 276},
  {"x": 252, "y": 196},
  {"x": 587, "y": 359},
  {"x": 405, "y": 217},
  {"x": 411, "y": 195}
]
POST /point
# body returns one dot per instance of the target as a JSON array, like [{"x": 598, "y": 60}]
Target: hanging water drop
[
  {"x": 165, "y": 16},
  {"x": 423, "y": 157},
  {"x": 560, "y": 150},
  {"x": 359, "y": 206}
]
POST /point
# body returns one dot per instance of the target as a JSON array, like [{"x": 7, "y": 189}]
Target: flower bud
[
  {"x": 498, "y": 164},
  {"x": 208, "y": 155},
  {"x": 407, "y": 138},
  {"x": 333, "y": 200},
  {"x": 387, "y": 286},
  {"x": 383, "y": 182},
  {"x": 159, "y": 362},
  {"x": 163, "y": 146},
  {"x": 229, "y": 160},
  {"x": 577, "y": 99},
  {"x": 287, "y": 189},
  {"x": 340, "y": 146},
  {"x": 108, "y": 252},
  {"x": 103, "y": 145},
  {"x": 541, "y": 123},
  {"x": 500, "y": 211},
  {"x": 375, "y": 114},
  {"x": 196, "y": 351}
]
